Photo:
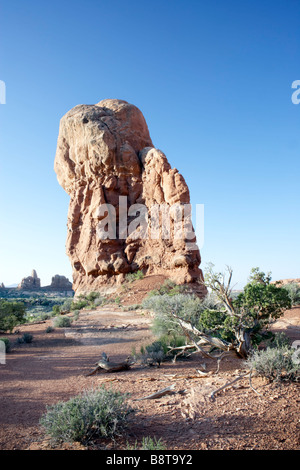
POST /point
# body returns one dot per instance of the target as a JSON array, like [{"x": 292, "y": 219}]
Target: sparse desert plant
[
  {"x": 293, "y": 290},
  {"x": 56, "y": 309},
  {"x": 130, "y": 277},
  {"x": 49, "y": 329},
  {"x": 25, "y": 338},
  {"x": 66, "y": 306},
  {"x": 94, "y": 413},
  {"x": 76, "y": 314},
  {"x": 79, "y": 305},
  {"x": 153, "y": 353},
  {"x": 148, "y": 443},
  {"x": 275, "y": 363},
  {"x": 134, "y": 307},
  {"x": 169, "y": 287},
  {"x": 62, "y": 322}
]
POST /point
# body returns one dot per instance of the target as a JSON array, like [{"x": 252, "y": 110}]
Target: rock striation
[{"x": 119, "y": 186}]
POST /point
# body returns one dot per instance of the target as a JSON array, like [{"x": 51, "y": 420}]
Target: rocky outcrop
[
  {"x": 60, "y": 283},
  {"x": 118, "y": 183},
  {"x": 32, "y": 282},
  {"x": 2, "y": 286}
]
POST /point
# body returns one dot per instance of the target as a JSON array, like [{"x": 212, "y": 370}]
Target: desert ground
[{"x": 55, "y": 367}]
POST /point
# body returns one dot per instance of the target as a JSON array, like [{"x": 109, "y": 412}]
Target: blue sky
[{"x": 213, "y": 80}]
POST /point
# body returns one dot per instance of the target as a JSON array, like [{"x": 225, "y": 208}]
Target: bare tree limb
[
  {"x": 160, "y": 393},
  {"x": 228, "y": 384}
]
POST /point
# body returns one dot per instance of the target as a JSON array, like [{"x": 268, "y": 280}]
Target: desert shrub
[
  {"x": 152, "y": 444},
  {"x": 25, "y": 338},
  {"x": 62, "y": 322},
  {"x": 275, "y": 363},
  {"x": 148, "y": 443},
  {"x": 134, "y": 307},
  {"x": 153, "y": 353},
  {"x": 76, "y": 314},
  {"x": 79, "y": 304},
  {"x": 7, "y": 343},
  {"x": 56, "y": 309},
  {"x": 130, "y": 277},
  {"x": 293, "y": 290},
  {"x": 99, "y": 301},
  {"x": 66, "y": 306},
  {"x": 169, "y": 287},
  {"x": 92, "y": 296},
  {"x": 49, "y": 329},
  {"x": 94, "y": 413},
  {"x": 11, "y": 314},
  {"x": 279, "y": 340}
]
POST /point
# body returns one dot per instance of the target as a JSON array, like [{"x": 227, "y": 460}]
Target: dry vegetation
[{"x": 172, "y": 400}]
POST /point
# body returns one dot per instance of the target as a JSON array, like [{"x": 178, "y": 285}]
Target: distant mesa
[
  {"x": 33, "y": 283},
  {"x": 60, "y": 283}
]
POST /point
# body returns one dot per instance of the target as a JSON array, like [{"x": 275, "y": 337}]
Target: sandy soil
[{"x": 55, "y": 365}]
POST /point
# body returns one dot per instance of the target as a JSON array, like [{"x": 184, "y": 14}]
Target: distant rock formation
[
  {"x": 32, "y": 282},
  {"x": 105, "y": 152},
  {"x": 2, "y": 286},
  {"x": 284, "y": 282},
  {"x": 60, "y": 283}
]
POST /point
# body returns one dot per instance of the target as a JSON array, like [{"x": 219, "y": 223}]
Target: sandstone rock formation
[
  {"x": 107, "y": 163},
  {"x": 60, "y": 283},
  {"x": 31, "y": 282}
]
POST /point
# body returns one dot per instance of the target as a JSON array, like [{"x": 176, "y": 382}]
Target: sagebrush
[{"x": 94, "y": 413}]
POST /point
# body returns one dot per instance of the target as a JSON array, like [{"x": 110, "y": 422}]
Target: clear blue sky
[{"x": 213, "y": 80}]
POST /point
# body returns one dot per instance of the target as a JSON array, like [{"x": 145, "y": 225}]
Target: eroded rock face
[
  {"x": 60, "y": 283},
  {"x": 31, "y": 282},
  {"x": 107, "y": 163}
]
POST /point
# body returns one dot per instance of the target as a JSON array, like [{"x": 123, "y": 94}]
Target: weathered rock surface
[
  {"x": 104, "y": 151},
  {"x": 59, "y": 283},
  {"x": 32, "y": 282}
]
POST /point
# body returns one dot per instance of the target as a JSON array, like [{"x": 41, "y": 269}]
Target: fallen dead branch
[
  {"x": 160, "y": 393},
  {"x": 228, "y": 384},
  {"x": 107, "y": 366}
]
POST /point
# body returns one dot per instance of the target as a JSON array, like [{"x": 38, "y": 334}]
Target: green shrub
[
  {"x": 94, "y": 413},
  {"x": 56, "y": 309},
  {"x": 275, "y": 363},
  {"x": 149, "y": 444},
  {"x": 49, "y": 329},
  {"x": 79, "y": 305},
  {"x": 155, "y": 353},
  {"x": 62, "y": 322},
  {"x": 25, "y": 338},
  {"x": 293, "y": 290},
  {"x": 76, "y": 314},
  {"x": 170, "y": 288},
  {"x": 11, "y": 314},
  {"x": 66, "y": 306},
  {"x": 92, "y": 296},
  {"x": 130, "y": 277}
]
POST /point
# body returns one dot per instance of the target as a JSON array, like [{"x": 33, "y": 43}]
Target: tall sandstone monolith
[{"x": 118, "y": 184}]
